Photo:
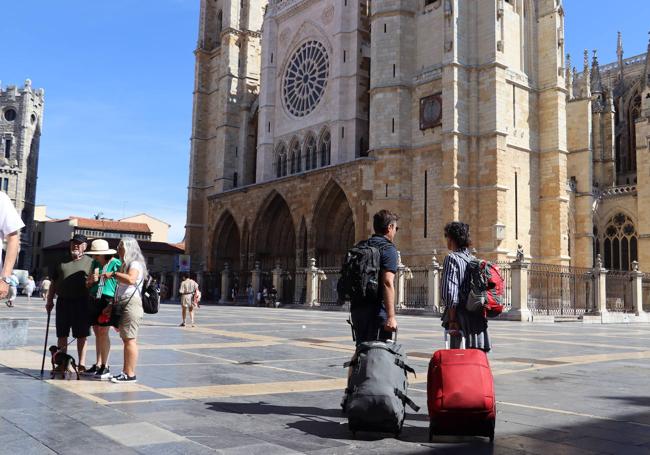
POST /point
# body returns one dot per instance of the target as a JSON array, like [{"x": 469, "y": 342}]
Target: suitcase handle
[
  {"x": 390, "y": 340},
  {"x": 448, "y": 333}
]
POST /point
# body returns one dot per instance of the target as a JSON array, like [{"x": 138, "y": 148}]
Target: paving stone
[{"x": 138, "y": 434}]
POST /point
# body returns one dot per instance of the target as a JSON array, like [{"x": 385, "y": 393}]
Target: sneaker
[
  {"x": 88, "y": 372},
  {"x": 182, "y": 324},
  {"x": 103, "y": 374},
  {"x": 123, "y": 377}
]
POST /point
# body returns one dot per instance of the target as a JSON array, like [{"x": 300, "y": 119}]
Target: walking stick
[{"x": 47, "y": 332}]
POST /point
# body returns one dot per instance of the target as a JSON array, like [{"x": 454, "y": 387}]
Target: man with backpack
[{"x": 367, "y": 279}]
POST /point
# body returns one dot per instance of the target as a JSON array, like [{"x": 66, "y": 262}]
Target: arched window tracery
[
  {"x": 325, "y": 148},
  {"x": 310, "y": 151},
  {"x": 620, "y": 243}
]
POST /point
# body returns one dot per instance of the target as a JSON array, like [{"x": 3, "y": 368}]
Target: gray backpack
[{"x": 376, "y": 393}]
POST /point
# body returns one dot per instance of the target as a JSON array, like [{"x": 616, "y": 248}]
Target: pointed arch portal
[
  {"x": 333, "y": 226},
  {"x": 226, "y": 243},
  {"x": 275, "y": 235}
]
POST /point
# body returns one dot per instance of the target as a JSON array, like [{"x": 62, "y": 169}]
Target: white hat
[{"x": 100, "y": 247}]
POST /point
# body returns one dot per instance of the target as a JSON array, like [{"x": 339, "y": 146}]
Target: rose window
[{"x": 306, "y": 78}]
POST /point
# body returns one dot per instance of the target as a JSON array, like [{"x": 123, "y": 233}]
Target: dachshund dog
[{"x": 61, "y": 363}]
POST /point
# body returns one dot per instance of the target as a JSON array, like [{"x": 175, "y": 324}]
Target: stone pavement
[{"x": 269, "y": 381}]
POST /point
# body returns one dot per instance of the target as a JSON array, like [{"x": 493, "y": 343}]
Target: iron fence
[
  {"x": 646, "y": 292},
  {"x": 211, "y": 286},
  {"x": 300, "y": 287},
  {"x": 327, "y": 294},
  {"x": 620, "y": 291},
  {"x": 560, "y": 290},
  {"x": 416, "y": 289},
  {"x": 506, "y": 274}
]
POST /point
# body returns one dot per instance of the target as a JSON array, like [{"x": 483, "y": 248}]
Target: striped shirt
[{"x": 454, "y": 287}]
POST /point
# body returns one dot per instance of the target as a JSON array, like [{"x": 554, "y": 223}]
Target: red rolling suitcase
[{"x": 460, "y": 393}]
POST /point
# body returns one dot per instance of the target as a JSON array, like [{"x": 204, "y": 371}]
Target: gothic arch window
[
  {"x": 295, "y": 156},
  {"x": 325, "y": 148},
  {"x": 305, "y": 78},
  {"x": 634, "y": 113},
  {"x": 620, "y": 243},
  {"x": 310, "y": 152},
  {"x": 280, "y": 153}
]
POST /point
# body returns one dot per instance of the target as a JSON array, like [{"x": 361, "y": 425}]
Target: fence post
[
  {"x": 433, "y": 275},
  {"x": 401, "y": 281},
  {"x": 225, "y": 283},
  {"x": 276, "y": 275},
  {"x": 519, "y": 310},
  {"x": 256, "y": 279},
  {"x": 637, "y": 288},
  {"x": 601, "y": 286},
  {"x": 313, "y": 281}
]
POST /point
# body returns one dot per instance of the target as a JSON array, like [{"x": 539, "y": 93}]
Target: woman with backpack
[
  {"x": 128, "y": 303},
  {"x": 455, "y": 287}
]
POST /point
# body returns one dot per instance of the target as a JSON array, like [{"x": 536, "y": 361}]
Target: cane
[{"x": 47, "y": 332}]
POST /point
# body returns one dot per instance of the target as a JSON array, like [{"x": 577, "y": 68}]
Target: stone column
[
  {"x": 225, "y": 284},
  {"x": 519, "y": 309},
  {"x": 175, "y": 285},
  {"x": 601, "y": 287},
  {"x": 433, "y": 277},
  {"x": 313, "y": 283},
  {"x": 400, "y": 285},
  {"x": 637, "y": 288},
  {"x": 256, "y": 279},
  {"x": 277, "y": 280}
]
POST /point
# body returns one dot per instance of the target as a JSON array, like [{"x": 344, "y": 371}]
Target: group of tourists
[
  {"x": 471, "y": 291},
  {"x": 99, "y": 288}
]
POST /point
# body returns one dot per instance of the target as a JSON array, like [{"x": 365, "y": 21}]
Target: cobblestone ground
[{"x": 269, "y": 381}]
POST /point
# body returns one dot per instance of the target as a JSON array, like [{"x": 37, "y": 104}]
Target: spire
[
  {"x": 596, "y": 82},
  {"x": 569, "y": 77},
  {"x": 586, "y": 76},
  {"x": 647, "y": 64},
  {"x": 619, "y": 53}
]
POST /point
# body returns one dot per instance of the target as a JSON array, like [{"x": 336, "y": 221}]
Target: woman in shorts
[
  {"x": 128, "y": 303},
  {"x": 102, "y": 293}
]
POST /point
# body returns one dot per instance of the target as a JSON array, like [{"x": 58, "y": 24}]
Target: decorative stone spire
[
  {"x": 586, "y": 76},
  {"x": 619, "y": 53},
  {"x": 647, "y": 64},
  {"x": 596, "y": 81},
  {"x": 569, "y": 77}
]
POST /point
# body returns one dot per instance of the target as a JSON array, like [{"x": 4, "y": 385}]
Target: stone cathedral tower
[
  {"x": 21, "y": 117},
  {"x": 224, "y": 131}
]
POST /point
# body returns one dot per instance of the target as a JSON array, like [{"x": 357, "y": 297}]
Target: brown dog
[{"x": 61, "y": 363}]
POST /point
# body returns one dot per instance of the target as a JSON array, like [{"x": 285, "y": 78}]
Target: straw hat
[{"x": 100, "y": 247}]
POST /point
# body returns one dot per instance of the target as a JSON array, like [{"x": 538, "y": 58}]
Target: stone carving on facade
[{"x": 328, "y": 15}]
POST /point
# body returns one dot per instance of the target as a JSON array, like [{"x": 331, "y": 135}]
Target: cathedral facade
[{"x": 311, "y": 115}]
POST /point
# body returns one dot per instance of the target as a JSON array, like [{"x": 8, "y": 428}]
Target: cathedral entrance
[
  {"x": 226, "y": 246},
  {"x": 274, "y": 235},
  {"x": 333, "y": 226}
]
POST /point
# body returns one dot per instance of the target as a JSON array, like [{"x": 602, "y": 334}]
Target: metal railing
[
  {"x": 560, "y": 290},
  {"x": 619, "y": 291},
  {"x": 300, "y": 287},
  {"x": 416, "y": 289},
  {"x": 506, "y": 274},
  {"x": 327, "y": 294}
]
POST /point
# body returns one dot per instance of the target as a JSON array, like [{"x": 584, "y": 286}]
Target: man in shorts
[{"x": 69, "y": 285}]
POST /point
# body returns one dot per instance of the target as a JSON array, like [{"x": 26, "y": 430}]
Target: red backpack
[{"x": 487, "y": 288}]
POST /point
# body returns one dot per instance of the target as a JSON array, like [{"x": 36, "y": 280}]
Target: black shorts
[
  {"x": 368, "y": 325},
  {"x": 72, "y": 314},
  {"x": 96, "y": 308}
]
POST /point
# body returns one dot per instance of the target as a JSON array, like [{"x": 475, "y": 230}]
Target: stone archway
[
  {"x": 274, "y": 236},
  {"x": 332, "y": 226},
  {"x": 226, "y": 244}
]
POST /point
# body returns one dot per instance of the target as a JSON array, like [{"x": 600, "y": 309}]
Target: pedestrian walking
[
  {"x": 102, "y": 294},
  {"x": 455, "y": 286},
  {"x": 187, "y": 291},
  {"x": 69, "y": 285},
  {"x": 45, "y": 287},
  {"x": 29, "y": 288},
  {"x": 250, "y": 294},
  {"x": 128, "y": 303},
  {"x": 10, "y": 225}
]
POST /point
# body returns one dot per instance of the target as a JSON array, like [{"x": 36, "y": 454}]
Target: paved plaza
[{"x": 269, "y": 381}]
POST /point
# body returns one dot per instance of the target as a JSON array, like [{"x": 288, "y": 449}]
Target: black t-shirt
[{"x": 70, "y": 278}]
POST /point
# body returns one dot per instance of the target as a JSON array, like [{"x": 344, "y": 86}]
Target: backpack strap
[
  {"x": 406, "y": 400},
  {"x": 400, "y": 363}
]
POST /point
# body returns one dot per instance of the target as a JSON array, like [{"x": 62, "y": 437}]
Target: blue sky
[{"x": 119, "y": 75}]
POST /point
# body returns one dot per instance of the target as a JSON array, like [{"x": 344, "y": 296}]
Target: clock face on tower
[
  {"x": 430, "y": 111},
  {"x": 305, "y": 79}
]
